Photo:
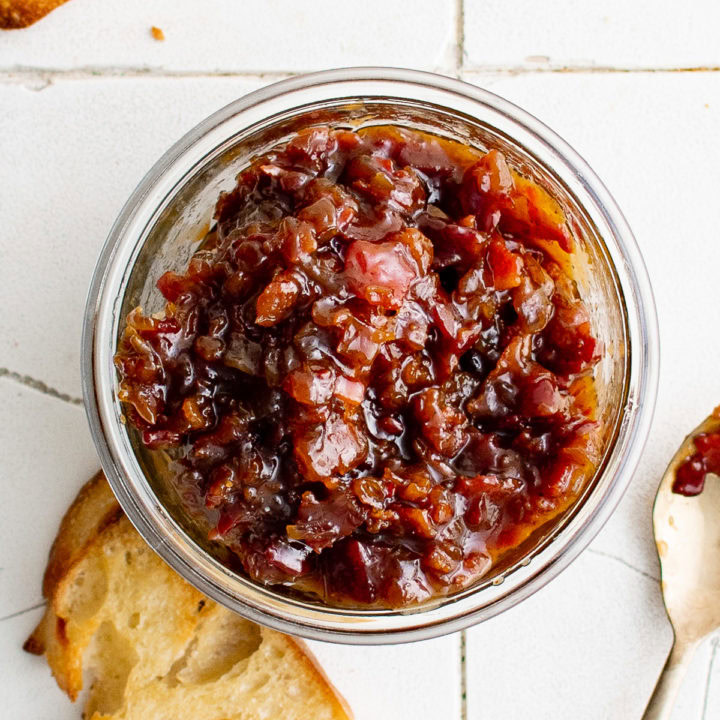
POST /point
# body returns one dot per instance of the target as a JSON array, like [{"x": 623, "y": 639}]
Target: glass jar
[{"x": 165, "y": 220}]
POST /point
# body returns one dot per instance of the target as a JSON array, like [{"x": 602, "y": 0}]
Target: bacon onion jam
[
  {"x": 705, "y": 460},
  {"x": 376, "y": 374}
]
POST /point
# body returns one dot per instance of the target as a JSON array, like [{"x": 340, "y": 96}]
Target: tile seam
[
  {"x": 586, "y": 69},
  {"x": 84, "y": 71},
  {"x": 22, "y": 612},
  {"x": 463, "y": 675},
  {"x": 39, "y": 386},
  {"x": 20, "y": 74},
  {"x": 625, "y": 563},
  {"x": 715, "y": 642},
  {"x": 460, "y": 38}
]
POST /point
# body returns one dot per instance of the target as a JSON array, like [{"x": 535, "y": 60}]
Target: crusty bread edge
[
  {"x": 94, "y": 508},
  {"x": 17, "y": 14},
  {"x": 306, "y": 657},
  {"x": 49, "y": 637},
  {"x": 68, "y": 548}
]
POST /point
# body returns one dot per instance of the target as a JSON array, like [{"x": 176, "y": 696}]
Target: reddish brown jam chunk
[
  {"x": 690, "y": 476},
  {"x": 375, "y": 376}
]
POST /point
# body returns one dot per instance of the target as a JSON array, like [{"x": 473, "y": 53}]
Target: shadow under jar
[{"x": 168, "y": 220}]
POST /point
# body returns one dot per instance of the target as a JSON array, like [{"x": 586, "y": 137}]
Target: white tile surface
[
  {"x": 226, "y": 35},
  {"x": 78, "y": 149},
  {"x": 47, "y": 454},
  {"x": 421, "y": 680},
  {"x": 589, "y": 645},
  {"x": 581, "y": 33}
]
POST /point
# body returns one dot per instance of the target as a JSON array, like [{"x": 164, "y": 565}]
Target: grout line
[
  {"x": 22, "y": 612},
  {"x": 40, "y": 386},
  {"x": 45, "y": 76},
  {"x": 624, "y": 562},
  {"x": 460, "y": 38},
  {"x": 708, "y": 680},
  {"x": 41, "y": 78},
  {"x": 463, "y": 675},
  {"x": 85, "y": 71},
  {"x": 583, "y": 69}
]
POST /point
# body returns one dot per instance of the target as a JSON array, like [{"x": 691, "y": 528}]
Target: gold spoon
[{"x": 687, "y": 534}]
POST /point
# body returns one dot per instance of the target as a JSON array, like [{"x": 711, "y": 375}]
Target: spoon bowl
[{"x": 687, "y": 535}]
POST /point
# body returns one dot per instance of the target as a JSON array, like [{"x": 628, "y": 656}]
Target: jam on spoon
[{"x": 690, "y": 476}]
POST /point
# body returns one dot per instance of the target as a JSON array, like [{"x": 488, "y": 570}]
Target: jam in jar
[{"x": 376, "y": 373}]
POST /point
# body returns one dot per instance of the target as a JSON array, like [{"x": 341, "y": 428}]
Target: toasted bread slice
[
  {"x": 16, "y": 14},
  {"x": 154, "y": 647}
]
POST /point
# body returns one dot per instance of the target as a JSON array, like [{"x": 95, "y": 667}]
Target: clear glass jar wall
[{"x": 169, "y": 214}]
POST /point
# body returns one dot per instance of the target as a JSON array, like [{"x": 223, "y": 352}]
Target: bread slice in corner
[
  {"x": 151, "y": 646},
  {"x": 16, "y": 14}
]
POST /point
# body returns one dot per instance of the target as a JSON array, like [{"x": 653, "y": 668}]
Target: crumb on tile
[{"x": 157, "y": 33}]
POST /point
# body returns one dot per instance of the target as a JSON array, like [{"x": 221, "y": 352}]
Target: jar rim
[{"x": 264, "y": 605}]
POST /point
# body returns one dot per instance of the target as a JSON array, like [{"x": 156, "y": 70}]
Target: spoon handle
[{"x": 662, "y": 701}]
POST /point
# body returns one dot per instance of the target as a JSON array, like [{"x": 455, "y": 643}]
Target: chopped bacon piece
[{"x": 380, "y": 273}]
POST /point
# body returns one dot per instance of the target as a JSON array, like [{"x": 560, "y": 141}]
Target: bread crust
[
  {"x": 16, "y": 14},
  {"x": 306, "y": 657},
  {"x": 94, "y": 508}
]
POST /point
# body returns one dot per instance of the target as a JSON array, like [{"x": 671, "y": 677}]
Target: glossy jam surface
[
  {"x": 690, "y": 476},
  {"x": 376, "y": 374}
]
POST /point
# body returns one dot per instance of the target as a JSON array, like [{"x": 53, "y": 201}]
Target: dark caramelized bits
[{"x": 377, "y": 373}]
